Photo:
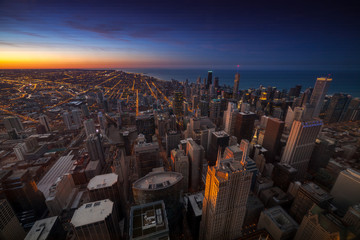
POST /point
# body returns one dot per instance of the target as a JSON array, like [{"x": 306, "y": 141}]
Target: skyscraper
[
  {"x": 76, "y": 116},
  {"x": 209, "y": 79},
  {"x": 318, "y": 224},
  {"x": 226, "y": 193},
  {"x": 180, "y": 163},
  {"x": 346, "y": 189},
  {"x": 196, "y": 155},
  {"x": 147, "y": 155},
  {"x": 178, "y": 103},
  {"x": 44, "y": 120},
  {"x": 308, "y": 195},
  {"x": 67, "y": 120},
  {"x": 245, "y": 125},
  {"x": 95, "y": 148},
  {"x": 353, "y": 111},
  {"x": 13, "y": 122},
  {"x": 218, "y": 140},
  {"x": 236, "y": 85},
  {"x": 89, "y": 127},
  {"x": 273, "y": 132},
  {"x": 10, "y": 227},
  {"x": 96, "y": 220},
  {"x": 318, "y": 95},
  {"x": 300, "y": 145},
  {"x": 230, "y": 116},
  {"x": 338, "y": 106},
  {"x": 215, "y": 105}
]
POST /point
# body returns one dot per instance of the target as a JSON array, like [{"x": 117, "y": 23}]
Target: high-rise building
[
  {"x": 278, "y": 223},
  {"x": 180, "y": 163},
  {"x": 214, "y": 115},
  {"x": 272, "y": 137},
  {"x": 85, "y": 110},
  {"x": 105, "y": 186},
  {"x": 172, "y": 140},
  {"x": 226, "y": 193},
  {"x": 323, "y": 151},
  {"x": 194, "y": 212},
  {"x": 318, "y": 95},
  {"x": 337, "y": 108},
  {"x": 236, "y": 85},
  {"x": 204, "y": 108},
  {"x": 149, "y": 221},
  {"x": 230, "y": 116},
  {"x": 76, "y": 116},
  {"x": 10, "y": 228},
  {"x": 353, "y": 111},
  {"x": 344, "y": 192},
  {"x": 89, "y": 127},
  {"x": 145, "y": 124},
  {"x": 292, "y": 115},
  {"x": 96, "y": 220},
  {"x": 147, "y": 155},
  {"x": 195, "y": 153},
  {"x": 13, "y": 122},
  {"x": 300, "y": 145},
  {"x": 308, "y": 195},
  {"x": 209, "y": 79},
  {"x": 44, "y": 120},
  {"x": 218, "y": 140},
  {"x": 67, "y": 120},
  {"x": 216, "y": 82},
  {"x": 156, "y": 186},
  {"x": 178, "y": 103},
  {"x": 47, "y": 228},
  {"x": 23, "y": 195},
  {"x": 318, "y": 224},
  {"x": 245, "y": 125},
  {"x": 352, "y": 218},
  {"x": 95, "y": 148},
  {"x": 101, "y": 120},
  {"x": 283, "y": 175},
  {"x": 195, "y": 101},
  {"x": 60, "y": 195}
]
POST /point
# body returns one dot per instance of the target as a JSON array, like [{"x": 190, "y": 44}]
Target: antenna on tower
[{"x": 237, "y": 68}]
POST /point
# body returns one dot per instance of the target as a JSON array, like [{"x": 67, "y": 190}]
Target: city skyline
[{"x": 263, "y": 35}]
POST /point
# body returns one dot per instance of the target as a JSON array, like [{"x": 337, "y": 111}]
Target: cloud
[
  {"x": 2, "y": 43},
  {"x": 105, "y": 30}
]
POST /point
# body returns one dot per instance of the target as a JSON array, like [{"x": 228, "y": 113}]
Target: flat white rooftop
[
  {"x": 41, "y": 229},
  {"x": 92, "y": 212},
  {"x": 158, "y": 180},
  {"x": 102, "y": 181}
]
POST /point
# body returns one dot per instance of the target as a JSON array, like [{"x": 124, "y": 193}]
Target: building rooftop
[
  {"x": 221, "y": 134},
  {"x": 227, "y": 166},
  {"x": 102, "y": 181},
  {"x": 316, "y": 192},
  {"x": 92, "y": 212},
  {"x": 158, "y": 180},
  {"x": 287, "y": 167},
  {"x": 196, "y": 202},
  {"x": 41, "y": 229},
  {"x": 62, "y": 166},
  {"x": 351, "y": 173},
  {"x": 282, "y": 220},
  {"x": 148, "y": 220},
  {"x": 144, "y": 147}
]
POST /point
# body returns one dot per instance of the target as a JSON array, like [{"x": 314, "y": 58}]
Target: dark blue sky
[{"x": 180, "y": 34}]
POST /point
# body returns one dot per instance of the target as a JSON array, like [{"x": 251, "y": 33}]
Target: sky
[{"x": 261, "y": 35}]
